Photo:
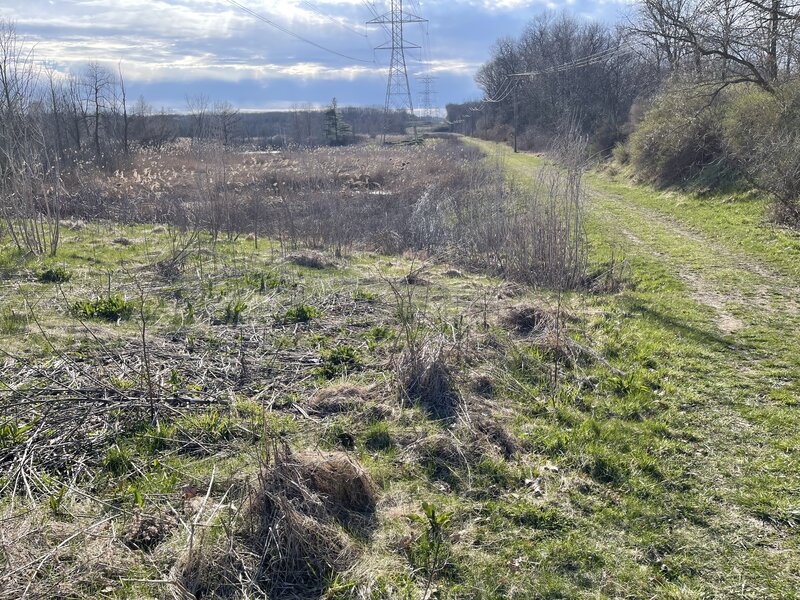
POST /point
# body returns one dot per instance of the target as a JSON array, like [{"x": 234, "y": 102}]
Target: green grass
[
  {"x": 662, "y": 464},
  {"x": 340, "y": 360},
  {"x": 695, "y": 264},
  {"x": 12, "y": 322}
]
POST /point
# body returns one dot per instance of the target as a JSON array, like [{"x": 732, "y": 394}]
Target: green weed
[
  {"x": 301, "y": 313},
  {"x": 428, "y": 553},
  {"x": 364, "y": 295},
  {"x": 106, "y": 308},
  {"x": 339, "y": 361},
  {"x": 12, "y": 434},
  {"x": 232, "y": 314},
  {"x": 54, "y": 275}
]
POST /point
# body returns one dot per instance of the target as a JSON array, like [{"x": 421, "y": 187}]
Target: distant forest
[{"x": 89, "y": 115}]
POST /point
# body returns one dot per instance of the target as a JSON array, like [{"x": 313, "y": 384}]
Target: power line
[
  {"x": 506, "y": 89},
  {"x": 376, "y": 15},
  {"x": 290, "y": 33},
  {"x": 315, "y": 9},
  {"x": 579, "y": 63},
  {"x": 512, "y": 80}
]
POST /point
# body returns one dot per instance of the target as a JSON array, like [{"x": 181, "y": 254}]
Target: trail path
[
  {"x": 756, "y": 311},
  {"x": 746, "y": 399}
]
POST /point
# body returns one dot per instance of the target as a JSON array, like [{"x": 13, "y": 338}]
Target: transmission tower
[
  {"x": 398, "y": 91},
  {"x": 427, "y": 97}
]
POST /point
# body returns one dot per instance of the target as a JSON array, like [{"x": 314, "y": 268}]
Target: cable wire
[
  {"x": 291, "y": 33},
  {"x": 507, "y": 89},
  {"x": 315, "y": 9}
]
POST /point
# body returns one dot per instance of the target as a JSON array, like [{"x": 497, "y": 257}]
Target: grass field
[{"x": 634, "y": 443}]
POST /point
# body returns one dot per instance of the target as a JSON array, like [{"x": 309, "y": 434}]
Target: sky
[{"x": 171, "y": 49}]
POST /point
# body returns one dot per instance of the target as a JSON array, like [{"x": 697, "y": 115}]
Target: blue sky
[{"x": 173, "y": 48}]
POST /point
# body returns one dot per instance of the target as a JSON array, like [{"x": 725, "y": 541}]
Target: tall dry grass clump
[
  {"x": 290, "y": 538},
  {"x": 426, "y": 379}
]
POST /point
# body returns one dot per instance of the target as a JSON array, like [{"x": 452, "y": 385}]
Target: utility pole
[
  {"x": 516, "y": 119},
  {"x": 398, "y": 91}
]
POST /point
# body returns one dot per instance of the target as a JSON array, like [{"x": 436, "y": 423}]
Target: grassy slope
[{"x": 669, "y": 472}]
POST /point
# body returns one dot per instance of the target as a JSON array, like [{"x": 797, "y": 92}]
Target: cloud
[{"x": 180, "y": 43}]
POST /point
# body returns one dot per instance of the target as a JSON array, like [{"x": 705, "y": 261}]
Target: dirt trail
[
  {"x": 746, "y": 299},
  {"x": 731, "y": 283}
]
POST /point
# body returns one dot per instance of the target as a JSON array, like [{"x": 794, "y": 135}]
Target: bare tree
[
  {"x": 656, "y": 23},
  {"x": 748, "y": 38},
  {"x": 226, "y": 120},
  {"x": 124, "y": 103},
  {"x": 98, "y": 82},
  {"x": 199, "y": 107},
  {"x": 598, "y": 93},
  {"x": 78, "y": 108},
  {"x": 30, "y": 182},
  {"x": 55, "y": 96}
]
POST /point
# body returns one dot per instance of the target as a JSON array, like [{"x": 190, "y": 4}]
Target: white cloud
[{"x": 183, "y": 41}]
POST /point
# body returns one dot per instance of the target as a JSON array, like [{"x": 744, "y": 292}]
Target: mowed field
[{"x": 341, "y": 422}]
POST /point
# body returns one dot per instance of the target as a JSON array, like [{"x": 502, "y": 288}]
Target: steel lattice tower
[
  {"x": 426, "y": 98},
  {"x": 398, "y": 90}
]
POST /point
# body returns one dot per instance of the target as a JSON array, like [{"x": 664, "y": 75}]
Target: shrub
[
  {"x": 678, "y": 137},
  {"x": 760, "y": 132},
  {"x": 621, "y": 154},
  {"x": 106, "y": 308},
  {"x": 749, "y": 112},
  {"x": 54, "y": 275}
]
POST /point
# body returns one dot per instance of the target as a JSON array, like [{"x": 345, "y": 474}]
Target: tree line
[{"x": 684, "y": 90}]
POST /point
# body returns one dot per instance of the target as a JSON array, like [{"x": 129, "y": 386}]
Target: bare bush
[
  {"x": 774, "y": 166},
  {"x": 534, "y": 235}
]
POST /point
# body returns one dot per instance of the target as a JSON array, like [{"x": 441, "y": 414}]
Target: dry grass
[
  {"x": 289, "y": 540},
  {"x": 528, "y": 318},
  {"x": 442, "y": 198},
  {"x": 311, "y": 260},
  {"x": 426, "y": 379},
  {"x": 46, "y": 557},
  {"x": 346, "y": 398}
]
